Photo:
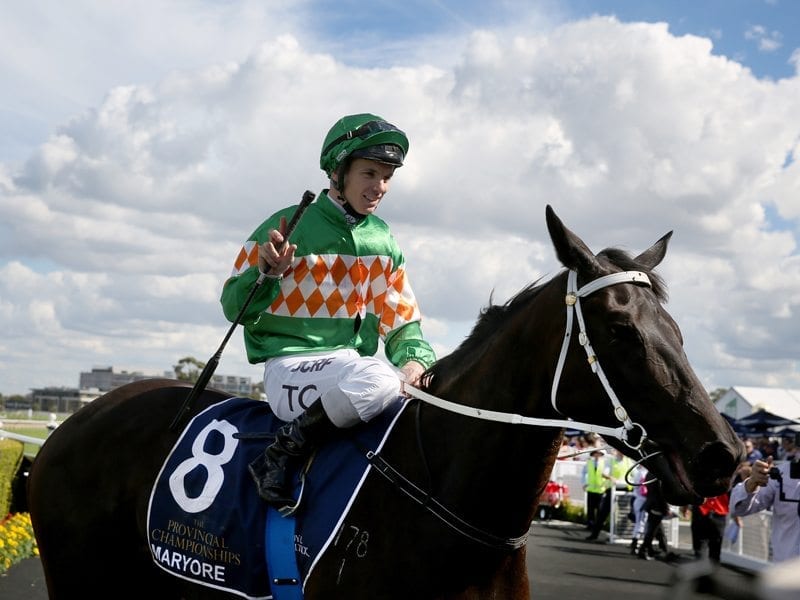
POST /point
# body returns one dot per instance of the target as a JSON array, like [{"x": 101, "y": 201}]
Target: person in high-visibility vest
[
  {"x": 614, "y": 477},
  {"x": 619, "y": 469},
  {"x": 595, "y": 485}
]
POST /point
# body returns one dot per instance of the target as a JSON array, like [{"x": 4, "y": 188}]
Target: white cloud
[
  {"x": 59, "y": 58},
  {"x": 768, "y": 41},
  {"x": 794, "y": 59},
  {"x": 117, "y": 233}
]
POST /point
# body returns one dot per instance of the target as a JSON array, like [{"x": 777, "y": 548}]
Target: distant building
[
  {"x": 18, "y": 402},
  {"x": 740, "y": 401},
  {"x": 55, "y": 399},
  {"x": 233, "y": 384},
  {"x": 105, "y": 380}
]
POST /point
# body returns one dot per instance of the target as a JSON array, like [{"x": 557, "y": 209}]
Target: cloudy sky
[{"x": 142, "y": 141}]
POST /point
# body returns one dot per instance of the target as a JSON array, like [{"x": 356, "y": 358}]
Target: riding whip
[{"x": 211, "y": 365}]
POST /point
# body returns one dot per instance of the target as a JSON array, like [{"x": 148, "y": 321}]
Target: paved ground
[
  {"x": 561, "y": 566},
  {"x": 24, "y": 581}
]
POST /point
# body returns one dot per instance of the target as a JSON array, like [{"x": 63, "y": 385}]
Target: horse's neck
[
  {"x": 491, "y": 464},
  {"x": 490, "y": 473}
]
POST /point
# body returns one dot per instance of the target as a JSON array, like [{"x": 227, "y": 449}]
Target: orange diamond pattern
[
  {"x": 338, "y": 270},
  {"x": 343, "y": 286},
  {"x": 247, "y": 257},
  {"x": 315, "y": 302}
]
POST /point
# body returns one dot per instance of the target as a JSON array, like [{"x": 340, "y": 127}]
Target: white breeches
[{"x": 353, "y": 388}]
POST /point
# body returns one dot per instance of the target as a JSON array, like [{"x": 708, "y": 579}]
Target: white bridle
[{"x": 573, "y": 303}]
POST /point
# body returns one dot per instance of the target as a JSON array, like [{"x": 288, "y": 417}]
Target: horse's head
[{"x": 639, "y": 347}]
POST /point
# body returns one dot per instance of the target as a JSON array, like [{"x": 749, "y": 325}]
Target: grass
[
  {"x": 37, "y": 431},
  {"x": 569, "y": 512}
]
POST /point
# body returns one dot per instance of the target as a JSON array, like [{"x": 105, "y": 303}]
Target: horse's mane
[{"x": 493, "y": 316}]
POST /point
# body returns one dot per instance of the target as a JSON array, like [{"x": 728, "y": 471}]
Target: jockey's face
[{"x": 365, "y": 184}]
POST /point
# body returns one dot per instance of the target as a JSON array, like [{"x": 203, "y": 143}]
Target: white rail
[{"x": 22, "y": 438}]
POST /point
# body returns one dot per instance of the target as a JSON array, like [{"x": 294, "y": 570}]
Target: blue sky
[
  {"x": 760, "y": 34},
  {"x": 141, "y": 142}
]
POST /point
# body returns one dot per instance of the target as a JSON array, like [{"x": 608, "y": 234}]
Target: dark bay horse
[{"x": 477, "y": 481}]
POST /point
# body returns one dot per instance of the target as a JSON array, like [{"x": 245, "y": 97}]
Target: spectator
[
  {"x": 657, "y": 510},
  {"x": 639, "y": 477},
  {"x": 565, "y": 452},
  {"x": 753, "y": 453},
  {"x": 787, "y": 448},
  {"x": 708, "y": 526},
  {"x": 761, "y": 492},
  {"x": 614, "y": 475},
  {"x": 595, "y": 485},
  {"x": 742, "y": 472},
  {"x": 581, "y": 448},
  {"x": 767, "y": 447}
]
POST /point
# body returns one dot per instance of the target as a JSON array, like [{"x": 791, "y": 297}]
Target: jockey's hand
[
  {"x": 411, "y": 372},
  {"x": 269, "y": 259},
  {"x": 759, "y": 476}
]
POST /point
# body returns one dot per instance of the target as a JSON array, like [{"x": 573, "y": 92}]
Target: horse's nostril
[{"x": 717, "y": 460}]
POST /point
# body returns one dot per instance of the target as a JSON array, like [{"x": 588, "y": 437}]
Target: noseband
[{"x": 630, "y": 433}]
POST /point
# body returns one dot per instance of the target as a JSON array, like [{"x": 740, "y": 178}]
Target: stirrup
[{"x": 289, "y": 509}]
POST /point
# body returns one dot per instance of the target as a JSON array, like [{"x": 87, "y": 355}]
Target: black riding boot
[
  {"x": 294, "y": 441},
  {"x": 634, "y": 545}
]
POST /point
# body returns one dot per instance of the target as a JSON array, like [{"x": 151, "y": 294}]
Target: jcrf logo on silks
[
  {"x": 197, "y": 522},
  {"x": 312, "y": 366}
]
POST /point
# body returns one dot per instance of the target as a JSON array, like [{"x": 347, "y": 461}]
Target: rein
[
  {"x": 572, "y": 300},
  {"x": 623, "y": 433}
]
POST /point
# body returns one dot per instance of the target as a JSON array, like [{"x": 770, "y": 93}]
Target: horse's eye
[{"x": 621, "y": 332}]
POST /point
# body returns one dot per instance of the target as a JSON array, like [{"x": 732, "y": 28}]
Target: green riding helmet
[{"x": 361, "y": 136}]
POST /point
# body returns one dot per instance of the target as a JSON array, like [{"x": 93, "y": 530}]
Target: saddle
[{"x": 205, "y": 520}]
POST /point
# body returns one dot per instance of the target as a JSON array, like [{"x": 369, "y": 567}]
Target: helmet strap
[
  {"x": 338, "y": 183},
  {"x": 351, "y": 215}
]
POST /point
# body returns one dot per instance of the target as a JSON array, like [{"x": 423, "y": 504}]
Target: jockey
[{"x": 330, "y": 294}]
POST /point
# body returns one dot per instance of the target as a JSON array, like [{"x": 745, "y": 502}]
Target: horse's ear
[
  {"x": 653, "y": 256},
  {"x": 570, "y": 249}
]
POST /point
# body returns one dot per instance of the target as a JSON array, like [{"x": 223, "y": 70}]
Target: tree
[
  {"x": 257, "y": 390},
  {"x": 717, "y": 394},
  {"x": 188, "y": 369}
]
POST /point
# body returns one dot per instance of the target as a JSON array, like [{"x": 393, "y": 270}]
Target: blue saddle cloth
[{"x": 206, "y": 522}]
